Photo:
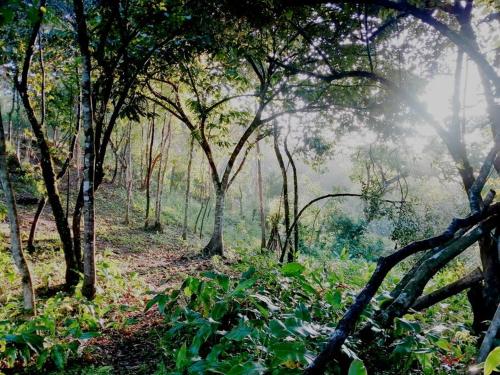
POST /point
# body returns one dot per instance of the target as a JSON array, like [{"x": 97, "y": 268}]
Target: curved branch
[
  {"x": 346, "y": 325},
  {"x": 447, "y": 291},
  {"x": 339, "y": 195}
]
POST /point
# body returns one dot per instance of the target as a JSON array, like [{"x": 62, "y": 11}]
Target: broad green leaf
[
  {"x": 292, "y": 269},
  {"x": 239, "y": 333},
  {"x": 248, "y": 368},
  {"x": 357, "y": 367},
  {"x": 288, "y": 351},
  {"x": 58, "y": 355},
  {"x": 219, "y": 310},
  {"x": 492, "y": 362},
  {"x": 243, "y": 285},
  {"x": 334, "y": 298},
  {"x": 182, "y": 359}
]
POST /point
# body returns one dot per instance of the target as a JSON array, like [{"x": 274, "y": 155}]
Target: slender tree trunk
[
  {"x": 172, "y": 174},
  {"x": 129, "y": 175},
  {"x": 31, "y": 239},
  {"x": 53, "y": 194},
  {"x": 149, "y": 171},
  {"x": 285, "y": 190},
  {"x": 76, "y": 225},
  {"x": 89, "y": 270},
  {"x": 46, "y": 158},
  {"x": 240, "y": 199},
  {"x": 161, "y": 175},
  {"x": 11, "y": 112},
  {"x": 216, "y": 244},
  {"x": 164, "y": 172},
  {"x": 195, "y": 227},
  {"x": 188, "y": 187},
  {"x": 261, "y": 199},
  {"x": 15, "y": 234},
  {"x": 203, "y": 216},
  {"x": 291, "y": 255}
]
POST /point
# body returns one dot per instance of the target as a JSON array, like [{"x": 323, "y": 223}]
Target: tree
[
  {"x": 15, "y": 235},
  {"x": 89, "y": 270}
]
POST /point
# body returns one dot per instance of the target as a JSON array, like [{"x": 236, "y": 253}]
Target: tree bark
[
  {"x": 149, "y": 171},
  {"x": 46, "y": 159},
  {"x": 295, "y": 200},
  {"x": 261, "y": 199},
  {"x": 163, "y": 161},
  {"x": 216, "y": 244},
  {"x": 89, "y": 269},
  {"x": 188, "y": 189},
  {"x": 31, "y": 239},
  {"x": 11, "y": 112},
  {"x": 129, "y": 175},
  {"x": 347, "y": 323},
  {"x": 203, "y": 216},
  {"x": 15, "y": 234},
  {"x": 447, "y": 291},
  {"x": 286, "y": 203}
]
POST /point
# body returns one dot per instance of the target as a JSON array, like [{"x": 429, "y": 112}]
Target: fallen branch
[
  {"x": 346, "y": 325},
  {"x": 449, "y": 290}
]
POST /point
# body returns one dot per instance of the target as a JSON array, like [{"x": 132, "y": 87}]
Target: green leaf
[
  {"x": 334, "y": 298},
  {"x": 288, "y": 351},
  {"x": 278, "y": 328},
  {"x": 58, "y": 355},
  {"x": 239, "y": 333},
  {"x": 357, "y": 367},
  {"x": 243, "y": 285},
  {"x": 248, "y": 368},
  {"x": 292, "y": 269},
  {"x": 492, "y": 362},
  {"x": 248, "y": 273},
  {"x": 219, "y": 310},
  {"x": 182, "y": 359},
  {"x": 89, "y": 335}
]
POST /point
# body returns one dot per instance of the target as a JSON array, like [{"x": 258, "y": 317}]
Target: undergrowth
[{"x": 63, "y": 323}]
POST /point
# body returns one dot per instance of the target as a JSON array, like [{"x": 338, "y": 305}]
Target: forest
[{"x": 249, "y": 187}]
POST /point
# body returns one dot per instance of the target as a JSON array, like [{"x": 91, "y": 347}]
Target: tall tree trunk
[
  {"x": 161, "y": 173},
  {"x": 203, "y": 216},
  {"x": 172, "y": 174},
  {"x": 261, "y": 199},
  {"x": 11, "y": 112},
  {"x": 129, "y": 174},
  {"x": 89, "y": 270},
  {"x": 46, "y": 157},
  {"x": 31, "y": 239},
  {"x": 76, "y": 226},
  {"x": 216, "y": 244},
  {"x": 202, "y": 205},
  {"x": 286, "y": 203},
  {"x": 188, "y": 187},
  {"x": 291, "y": 255},
  {"x": 15, "y": 234},
  {"x": 240, "y": 199},
  {"x": 149, "y": 171}
]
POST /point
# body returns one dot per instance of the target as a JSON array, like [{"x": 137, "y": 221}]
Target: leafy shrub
[
  {"x": 265, "y": 321},
  {"x": 63, "y": 322}
]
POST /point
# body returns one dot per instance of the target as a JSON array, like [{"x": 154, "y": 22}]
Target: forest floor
[{"x": 156, "y": 260}]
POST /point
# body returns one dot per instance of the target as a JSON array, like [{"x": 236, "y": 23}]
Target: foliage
[
  {"x": 238, "y": 326},
  {"x": 63, "y": 322},
  {"x": 273, "y": 321},
  {"x": 492, "y": 362}
]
